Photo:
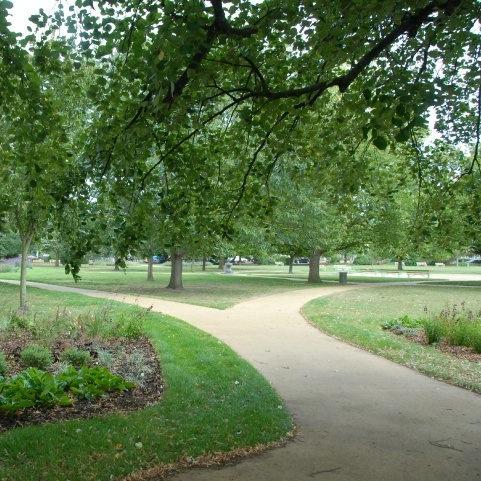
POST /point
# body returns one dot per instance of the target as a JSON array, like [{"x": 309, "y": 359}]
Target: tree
[{"x": 38, "y": 170}]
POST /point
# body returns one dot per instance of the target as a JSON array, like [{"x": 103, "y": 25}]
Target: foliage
[
  {"x": 10, "y": 244},
  {"x": 37, "y": 388},
  {"x": 3, "y": 364},
  {"x": 91, "y": 382},
  {"x": 76, "y": 357},
  {"x": 31, "y": 388},
  {"x": 36, "y": 356},
  {"x": 433, "y": 331}
]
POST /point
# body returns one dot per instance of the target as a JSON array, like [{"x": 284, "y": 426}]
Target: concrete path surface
[{"x": 360, "y": 417}]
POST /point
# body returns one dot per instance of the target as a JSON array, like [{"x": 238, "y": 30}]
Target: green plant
[
  {"x": 31, "y": 388},
  {"x": 36, "y": 356},
  {"x": 130, "y": 327},
  {"x": 433, "y": 330},
  {"x": 3, "y": 364},
  {"x": 92, "y": 382},
  {"x": 76, "y": 357}
]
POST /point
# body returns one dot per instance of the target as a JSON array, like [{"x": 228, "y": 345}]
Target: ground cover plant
[
  {"x": 359, "y": 317},
  {"x": 213, "y": 402}
]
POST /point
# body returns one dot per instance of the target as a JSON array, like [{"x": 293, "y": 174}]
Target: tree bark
[
  {"x": 26, "y": 241},
  {"x": 150, "y": 269},
  {"x": 399, "y": 264},
  {"x": 314, "y": 262},
  {"x": 176, "y": 269},
  {"x": 291, "y": 263},
  {"x": 57, "y": 259},
  {"x": 221, "y": 263},
  {"x": 116, "y": 266},
  {"x": 204, "y": 261}
]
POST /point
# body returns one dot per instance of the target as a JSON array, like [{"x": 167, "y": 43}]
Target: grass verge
[
  {"x": 214, "y": 402},
  {"x": 357, "y": 319}
]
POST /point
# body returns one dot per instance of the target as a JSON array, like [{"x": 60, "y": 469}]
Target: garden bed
[{"x": 132, "y": 358}]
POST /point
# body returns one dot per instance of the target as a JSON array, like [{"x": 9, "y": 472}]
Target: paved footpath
[{"x": 360, "y": 417}]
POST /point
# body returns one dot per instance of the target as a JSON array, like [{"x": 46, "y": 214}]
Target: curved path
[{"x": 360, "y": 417}]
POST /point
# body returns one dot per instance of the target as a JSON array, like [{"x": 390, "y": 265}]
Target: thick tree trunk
[
  {"x": 314, "y": 262},
  {"x": 221, "y": 263},
  {"x": 150, "y": 269},
  {"x": 176, "y": 269},
  {"x": 399, "y": 264},
  {"x": 204, "y": 262},
  {"x": 291, "y": 263},
  {"x": 26, "y": 241}
]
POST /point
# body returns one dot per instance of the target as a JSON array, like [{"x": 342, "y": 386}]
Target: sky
[{"x": 23, "y": 9}]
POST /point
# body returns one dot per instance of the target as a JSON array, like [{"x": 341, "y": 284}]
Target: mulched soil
[
  {"x": 145, "y": 372},
  {"x": 460, "y": 352}
]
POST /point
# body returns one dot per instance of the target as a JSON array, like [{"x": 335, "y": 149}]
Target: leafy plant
[
  {"x": 76, "y": 357},
  {"x": 3, "y": 364},
  {"x": 35, "y": 388},
  {"x": 92, "y": 382},
  {"x": 36, "y": 356},
  {"x": 31, "y": 388}
]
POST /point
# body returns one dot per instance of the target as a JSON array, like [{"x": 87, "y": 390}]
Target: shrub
[
  {"x": 3, "y": 364},
  {"x": 36, "y": 356},
  {"x": 363, "y": 260},
  {"x": 433, "y": 330},
  {"x": 76, "y": 357},
  {"x": 5, "y": 268},
  {"x": 129, "y": 327}
]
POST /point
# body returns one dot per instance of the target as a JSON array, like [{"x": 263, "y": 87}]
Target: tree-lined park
[{"x": 244, "y": 160}]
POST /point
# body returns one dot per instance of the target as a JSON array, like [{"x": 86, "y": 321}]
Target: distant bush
[
  {"x": 363, "y": 260},
  {"x": 76, "y": 357},
  {"x": 36, "y": 356},
  {"x": 5, "y": 268}
]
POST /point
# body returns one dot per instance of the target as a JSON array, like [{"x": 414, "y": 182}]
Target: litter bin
[{"x": 343, "y": 277}]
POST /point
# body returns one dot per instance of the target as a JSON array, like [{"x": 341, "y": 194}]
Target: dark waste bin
[{"x": 343, "y": 277}]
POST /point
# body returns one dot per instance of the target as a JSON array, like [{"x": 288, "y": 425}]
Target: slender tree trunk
[
  {"x": 399, "y": 264},
  {"x": 314, "y": 262},
  {"x": 26, "y": 241},
  {"x": 176, "y": 269},
  {"x": 150, "y": 269},
  {"x": 116, "y": 266},
  {"x": 57, "y": 259},
  {"x": 204, "y": 261},
  {"x": 221, "y": 263},
  {"x": 291, "y": 263}
]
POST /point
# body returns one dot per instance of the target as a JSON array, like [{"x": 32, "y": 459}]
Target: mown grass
[
  {"x": 209, "y": 288},
  {"x": 214, "y": 401},
  {"x": 357, "y": 319}
]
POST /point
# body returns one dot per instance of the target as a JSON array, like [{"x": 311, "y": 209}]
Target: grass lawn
[
  {"x": 357, "y": 318},
  {"x": 208, "y": 288},
  {"x": 214, "y": 401}
]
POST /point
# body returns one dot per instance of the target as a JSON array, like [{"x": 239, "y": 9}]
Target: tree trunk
[
  {"x": 176, "y": 269},
  {"x": 57, "y": 259},
  {"x": 116, "y": 266},
  {"x": 23, "y": 273},
  {"x": 204, "y": 261},
  {"x": 150, "y": 269},
  {"x": 314, "y": 262},
  {"x": 399, "y": 264},
  {"x": 291, "y": 263},
  {"x": 221, "y": 263}
]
